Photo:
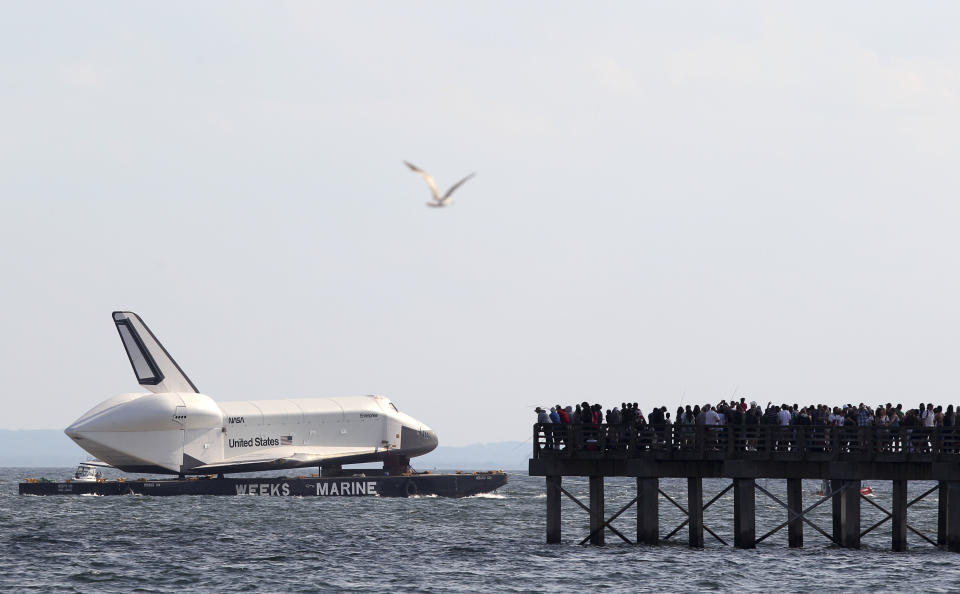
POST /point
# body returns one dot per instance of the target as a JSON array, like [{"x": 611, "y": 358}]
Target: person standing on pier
[
  {"x": 710, "y": 417},
  {"x": 614, "y": 417},
  {"x": 561, "y": 435},
  {"x": 880, "y": 417},
  {"x": 863, "y": 416},
  {"x": 555, "y": 427},
  {"x": 629, "y": 414},
  {"x": 542, "y": 416},
  {"x": 835, "y": 418},
  {"x": 770, "y": 415},
  {"x": 544, "y": 419},
  {"x": 927, "y": 415},
  {"x": 784, "y": 416}
]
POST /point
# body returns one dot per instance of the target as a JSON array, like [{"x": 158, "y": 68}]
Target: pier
[{"x": 842, "y": 456}]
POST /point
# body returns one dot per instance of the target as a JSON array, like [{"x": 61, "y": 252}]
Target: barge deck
[{"x": 353, "y": 485}]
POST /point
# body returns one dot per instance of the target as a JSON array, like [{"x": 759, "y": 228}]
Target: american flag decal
[{"x": 286, "y": 440}]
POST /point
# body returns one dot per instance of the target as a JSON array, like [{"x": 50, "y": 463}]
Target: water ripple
[{"x": 425, "y": 544}]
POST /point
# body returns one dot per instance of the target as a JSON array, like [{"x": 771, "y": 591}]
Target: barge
[{"x": 362, "y": 483}]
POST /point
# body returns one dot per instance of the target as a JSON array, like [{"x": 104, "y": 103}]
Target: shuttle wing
[
  {"x": 295, "y": 460},
  {"x": 152, "y": 364}
]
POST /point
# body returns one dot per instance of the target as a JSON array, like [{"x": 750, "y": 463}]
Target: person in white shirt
[
  {"x": 837, "y": 418},
  {"x": 711, "y": 417},
  {"x": 927, "y": 415},
  {"x": 783, "y": 417}
]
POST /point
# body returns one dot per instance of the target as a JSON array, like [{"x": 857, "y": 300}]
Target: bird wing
[
  {"x": 427, "y": 177},
  {"x": 457, "y": 185}
]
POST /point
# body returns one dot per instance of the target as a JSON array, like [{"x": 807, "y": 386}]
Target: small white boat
[{"x": 87, "y": 474}]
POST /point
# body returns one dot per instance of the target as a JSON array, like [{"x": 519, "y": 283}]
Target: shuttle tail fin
[{"x": 152, "y": 364}]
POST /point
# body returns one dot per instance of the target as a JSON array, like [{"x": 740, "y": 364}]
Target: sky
[{"x": 675, "y": 203}]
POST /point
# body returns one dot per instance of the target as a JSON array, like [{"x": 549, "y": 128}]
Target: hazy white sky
[{"x": 673, "y": 201}]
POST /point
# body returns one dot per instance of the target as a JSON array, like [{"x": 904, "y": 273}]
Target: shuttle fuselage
[{"x": 182, "y": 431}]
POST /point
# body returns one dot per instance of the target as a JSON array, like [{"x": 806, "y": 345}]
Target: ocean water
[{"x": 486, "y": 543}]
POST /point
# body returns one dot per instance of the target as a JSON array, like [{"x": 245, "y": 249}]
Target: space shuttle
[{"x": 174, "y": 429}]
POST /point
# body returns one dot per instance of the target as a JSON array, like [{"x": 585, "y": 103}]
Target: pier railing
[{"x": 747, "y": 442}]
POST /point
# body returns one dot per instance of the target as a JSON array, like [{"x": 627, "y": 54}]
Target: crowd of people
[
  {"x": 741, "y": 413},
  {"x": 617, "y": 425}
]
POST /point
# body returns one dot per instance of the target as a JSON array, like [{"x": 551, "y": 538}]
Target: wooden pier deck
[{"x": 845, "y": 456}]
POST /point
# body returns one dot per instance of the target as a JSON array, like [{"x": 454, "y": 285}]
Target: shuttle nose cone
[
  {"x": 416, "y": 443},
  {"x": 78, "y": 429}
]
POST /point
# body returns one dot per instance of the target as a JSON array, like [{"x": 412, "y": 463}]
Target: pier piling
[
  {"x": 554, "y": 483},
  {"x": 695, "y": 511},
  {"x": 744, "y": 513},
  {"x": 836, "y": 488},
  {"x": 850, "y": 514},
  {"x": 942, "y": 513},
  {"x": 952, "y": 522},
  {"x": 648, "y": 510},
  {"x": 794, "y": 512},
  {"x": 596, "y": 510},
  {"x": 899, "y": 513}
]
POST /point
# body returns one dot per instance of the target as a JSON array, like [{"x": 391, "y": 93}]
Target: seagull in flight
[{"x": 438, "y": 200}]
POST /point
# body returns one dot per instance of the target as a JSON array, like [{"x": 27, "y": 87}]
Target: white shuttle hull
[{"x": 185, "y": 432}]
